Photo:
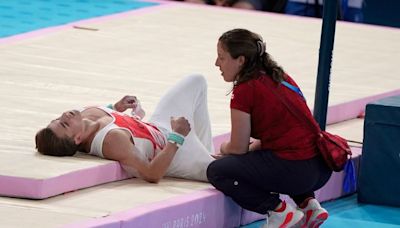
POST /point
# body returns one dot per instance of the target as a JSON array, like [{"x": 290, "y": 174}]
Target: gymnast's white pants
[{"x": 188, "y": 98}]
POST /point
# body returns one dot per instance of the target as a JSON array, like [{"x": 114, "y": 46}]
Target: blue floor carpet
[
  {"x": 20, "y": 16},
  {"x": 347, "y": 212}
]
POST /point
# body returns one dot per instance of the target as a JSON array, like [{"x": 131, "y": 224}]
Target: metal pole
[{"x": 330, "y": 8}]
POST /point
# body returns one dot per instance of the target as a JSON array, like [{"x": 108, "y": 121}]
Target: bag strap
[
  {"x": 292, "y": 108},
  {"x": 294, "y": 88}
]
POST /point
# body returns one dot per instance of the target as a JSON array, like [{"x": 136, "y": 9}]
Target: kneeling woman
[{"x": 282, "y": 158}]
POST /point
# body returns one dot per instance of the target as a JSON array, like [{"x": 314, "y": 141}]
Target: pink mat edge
[
  {"x": 192, "y": 200},
  {"x": 352, "y": 109},
  {"x": 33, "y": 188}
]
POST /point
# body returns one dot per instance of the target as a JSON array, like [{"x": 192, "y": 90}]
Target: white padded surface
[{"x": 143, "y": 55}]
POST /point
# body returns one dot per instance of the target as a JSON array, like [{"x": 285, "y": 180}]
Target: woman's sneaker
[
  {"x": 314, "y": 214},
  {"x": 289, "y": 217}
]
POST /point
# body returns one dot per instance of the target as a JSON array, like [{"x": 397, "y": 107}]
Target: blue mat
[
  {"x": 20, "y": 16},
  {"x": 347, "y": 212}
]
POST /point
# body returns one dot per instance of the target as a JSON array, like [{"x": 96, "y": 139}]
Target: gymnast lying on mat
[{"x": 175, "y": 142}]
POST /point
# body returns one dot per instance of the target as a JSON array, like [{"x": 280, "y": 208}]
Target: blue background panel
[{"x": 379, "y": 182}]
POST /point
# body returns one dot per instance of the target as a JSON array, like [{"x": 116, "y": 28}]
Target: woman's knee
[
  {"x": 218, "y": 176},
  {"x": 221, "y": 168},
  {"x": 212, "y": 170},
  {"x": 217, "y": 170}
]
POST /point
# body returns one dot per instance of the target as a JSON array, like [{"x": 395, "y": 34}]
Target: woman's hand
[
  {"x": 180, "y": 125},
  {"x": 196, "y": 1},
  {"x": 222, "y": 148},
  {"x": 255, "y": 144},
  {"x": 125, "y": 103},
  {"x": 218, "y": 155}
]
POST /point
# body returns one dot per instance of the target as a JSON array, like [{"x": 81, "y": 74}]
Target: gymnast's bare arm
[{"x": 118, "y": 146}]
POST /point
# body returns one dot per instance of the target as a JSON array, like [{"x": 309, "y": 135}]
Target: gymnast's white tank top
[{"x": 148, "y": 139}]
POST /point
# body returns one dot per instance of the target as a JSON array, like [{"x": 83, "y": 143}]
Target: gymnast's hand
[
  {"x": 125, "y": 103},
  {"x": 180, "y": 125}
]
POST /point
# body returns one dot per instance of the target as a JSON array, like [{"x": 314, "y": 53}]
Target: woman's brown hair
[
  {"x": 48, "y": 143},
  {"x": 242, "y": 42}
]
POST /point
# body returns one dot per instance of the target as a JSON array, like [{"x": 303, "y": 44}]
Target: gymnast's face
[
  {"x": 68, "y": 125},
  {"x": 228, "y": 66}
]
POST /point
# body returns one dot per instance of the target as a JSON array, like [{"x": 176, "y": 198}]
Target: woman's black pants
[{"x": 254, "y": 180}]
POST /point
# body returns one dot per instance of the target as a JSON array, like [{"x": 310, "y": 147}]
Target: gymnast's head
[
  {"x": 242, "y": 55},
  {"x": 62, "y": 136}
]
